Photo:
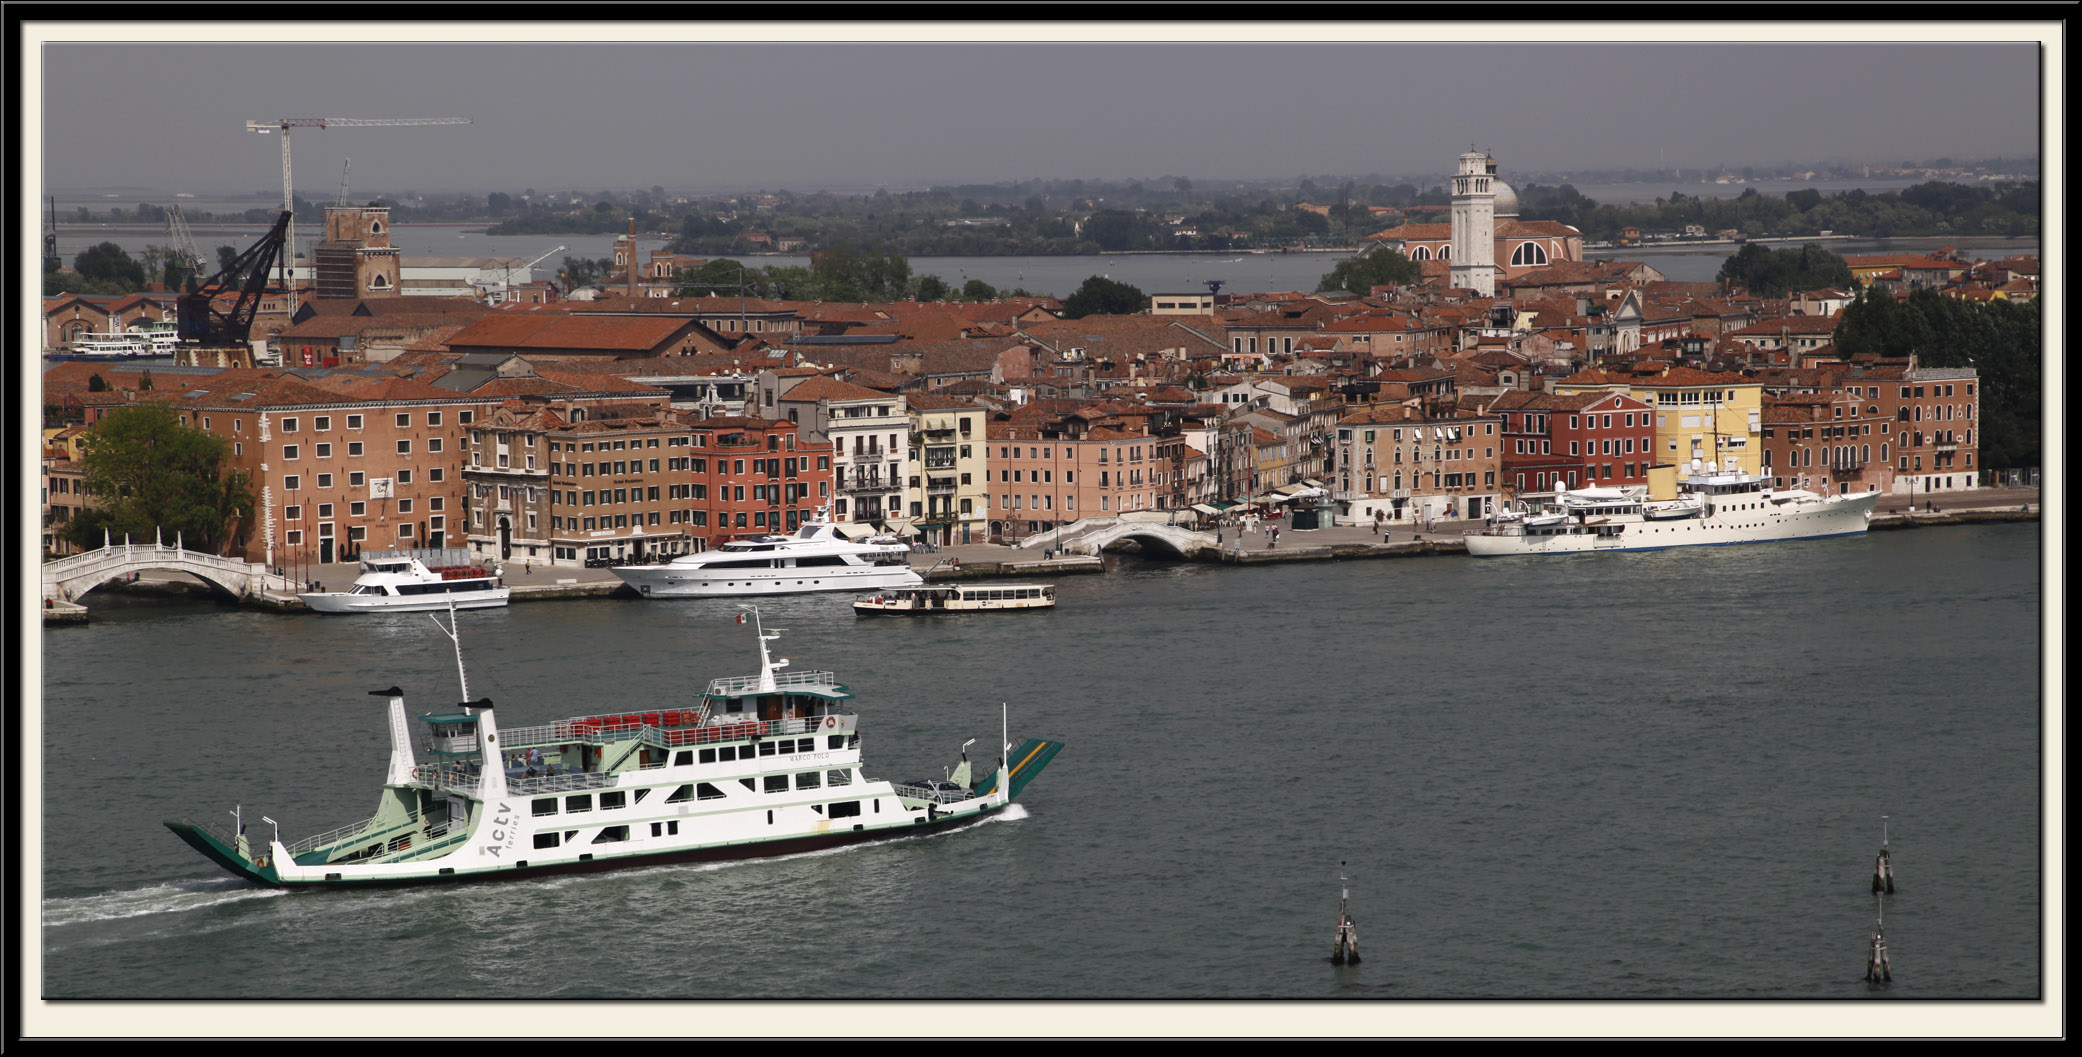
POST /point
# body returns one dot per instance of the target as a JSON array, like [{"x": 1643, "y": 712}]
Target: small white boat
[
  {"x": 414, "y": 582},
  {"x": 959, "y": 598}
]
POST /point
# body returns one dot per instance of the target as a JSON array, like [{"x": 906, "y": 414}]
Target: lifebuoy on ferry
[{"x": 831, "y": 721}]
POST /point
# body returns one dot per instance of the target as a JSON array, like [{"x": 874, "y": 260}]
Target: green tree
[
  {"x": 107, "y": 263},
  {"x": 1359, "y": 275},
  {"x": 1773, "y": 273},
  {"x": 932, "y": 288},
  {"x": 577, "y": 272},
  {"x": 1100, "y": 296},
  {"x": 978, "y": 290},
  {"x": 150, "y": 473}
]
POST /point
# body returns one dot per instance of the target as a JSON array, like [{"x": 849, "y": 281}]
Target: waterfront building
[
  {"x": 1551, "y": 442},
  {"x": 1397, "y": 463},
  {"x": 1891, "y": 427},
  {"x": 869, "y": 435},
  {"x": 1055, "y": 469},
  {"x": 1699, "y": 415},
  {"x": 949, "y": 479},
  {"x": 566, "y": 484}
]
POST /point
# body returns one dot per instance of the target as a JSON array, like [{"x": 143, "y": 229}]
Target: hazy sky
[{"x": 698, "y": 116}]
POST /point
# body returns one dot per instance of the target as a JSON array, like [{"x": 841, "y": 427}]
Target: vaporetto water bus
[
  {"x": 959, "y": 598},
  {"x": 762, "y": 765},
  {"x": 817, "y": 558},
  {"x": 1712, "y": 508}
]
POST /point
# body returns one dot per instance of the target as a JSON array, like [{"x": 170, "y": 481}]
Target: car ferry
[
  {"x": 414, "y": 582},
  {"x": 761, "y": 765},
  {"x": 1714, "y": 507},
  {"x": 959, "y": 598}
]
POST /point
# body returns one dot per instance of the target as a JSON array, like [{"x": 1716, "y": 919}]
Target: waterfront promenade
[{"x": 532, "y": 582}]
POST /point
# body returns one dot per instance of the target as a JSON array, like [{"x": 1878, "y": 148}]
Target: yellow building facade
[{"x": 1716, "y": 420}]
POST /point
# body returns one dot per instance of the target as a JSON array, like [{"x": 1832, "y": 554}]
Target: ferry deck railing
[
  {"x": 332, "y": 837},
  {"x": 944, "y": 796}
]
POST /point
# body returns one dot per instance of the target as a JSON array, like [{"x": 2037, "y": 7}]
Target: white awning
[
  {"x": 1205, "y": 509},
  {"x": 854, "y": 530}
]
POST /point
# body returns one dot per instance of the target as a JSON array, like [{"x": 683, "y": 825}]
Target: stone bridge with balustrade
[
  {"x": 67, "y": 579},
  {"x": 1093, "y": 535}
]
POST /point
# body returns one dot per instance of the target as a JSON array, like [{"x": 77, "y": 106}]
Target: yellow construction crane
[{"x": 288, "y": 195}]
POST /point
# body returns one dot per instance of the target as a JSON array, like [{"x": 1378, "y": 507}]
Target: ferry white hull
[
  {"x": 668, "y": 581},
  {"x": 345, "y": 602},
  {"x": 1751, "y": 521},
  {"x": 766, "y": 765}
]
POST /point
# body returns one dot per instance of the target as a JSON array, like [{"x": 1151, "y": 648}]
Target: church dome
[{"x": 1506, "y": 204}]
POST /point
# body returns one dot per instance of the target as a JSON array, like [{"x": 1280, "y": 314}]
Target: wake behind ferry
[
  {"x": 1712, "y": 507},
  {"x": 761, "y": 765}
]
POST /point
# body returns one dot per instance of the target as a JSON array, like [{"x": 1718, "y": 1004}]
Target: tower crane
[
  {"x": 288, "y": 195},
  {"x": 183, "y": 239},
  {"x": 506, "y": 280}
]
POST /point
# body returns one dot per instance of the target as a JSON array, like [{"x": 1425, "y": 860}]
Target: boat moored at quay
[
  {"x": 758, "y": 766},
  {"x": 408, "y": 582},
  {"x": 816, "y": 558},
  {"x": 1714, "y": 508}
]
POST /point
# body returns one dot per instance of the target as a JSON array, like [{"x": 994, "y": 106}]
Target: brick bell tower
[{"x": 356, "y": 259}]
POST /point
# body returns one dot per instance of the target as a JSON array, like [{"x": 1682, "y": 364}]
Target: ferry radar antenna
[
  {"x": 767, "y": 665},
  {"x": 453, "y": 633}
]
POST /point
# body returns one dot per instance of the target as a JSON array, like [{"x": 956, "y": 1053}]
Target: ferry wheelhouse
[{"x": 757, "y": 766}]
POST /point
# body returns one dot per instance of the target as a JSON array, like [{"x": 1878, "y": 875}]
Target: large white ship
[
  {"x": 1713, "y": 508},
  {"x": 761, "y": 765},
  {"x": 816, "y": 558}
]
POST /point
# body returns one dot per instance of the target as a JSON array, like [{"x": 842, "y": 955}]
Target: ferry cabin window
[
  {"x": 545, "y": 806},
  {"x": 610, "y": 801},
  {"x": 708, "y": 792},
  {"x": 546, "y": 840},
  {"x": 838, "y": 778},
  {"x": 835, "y": 741},
  {"x": 809, "y": 780},
  {"x": 708, "y": 756},
  {"x": 581, "y": 802},
  {"x": 612, "y": 834},
  {"x": 776, "y": 783},
  {"x": 683, "y": 793},
  {"x": 844, "y": 809},
  {"x": 683, "y": 758},
  {"x": 669, "y": 829}
]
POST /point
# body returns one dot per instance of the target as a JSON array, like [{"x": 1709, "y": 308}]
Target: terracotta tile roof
[
  {"x": 605, "y": 333},
  {"x": 821, "y": 388}
]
